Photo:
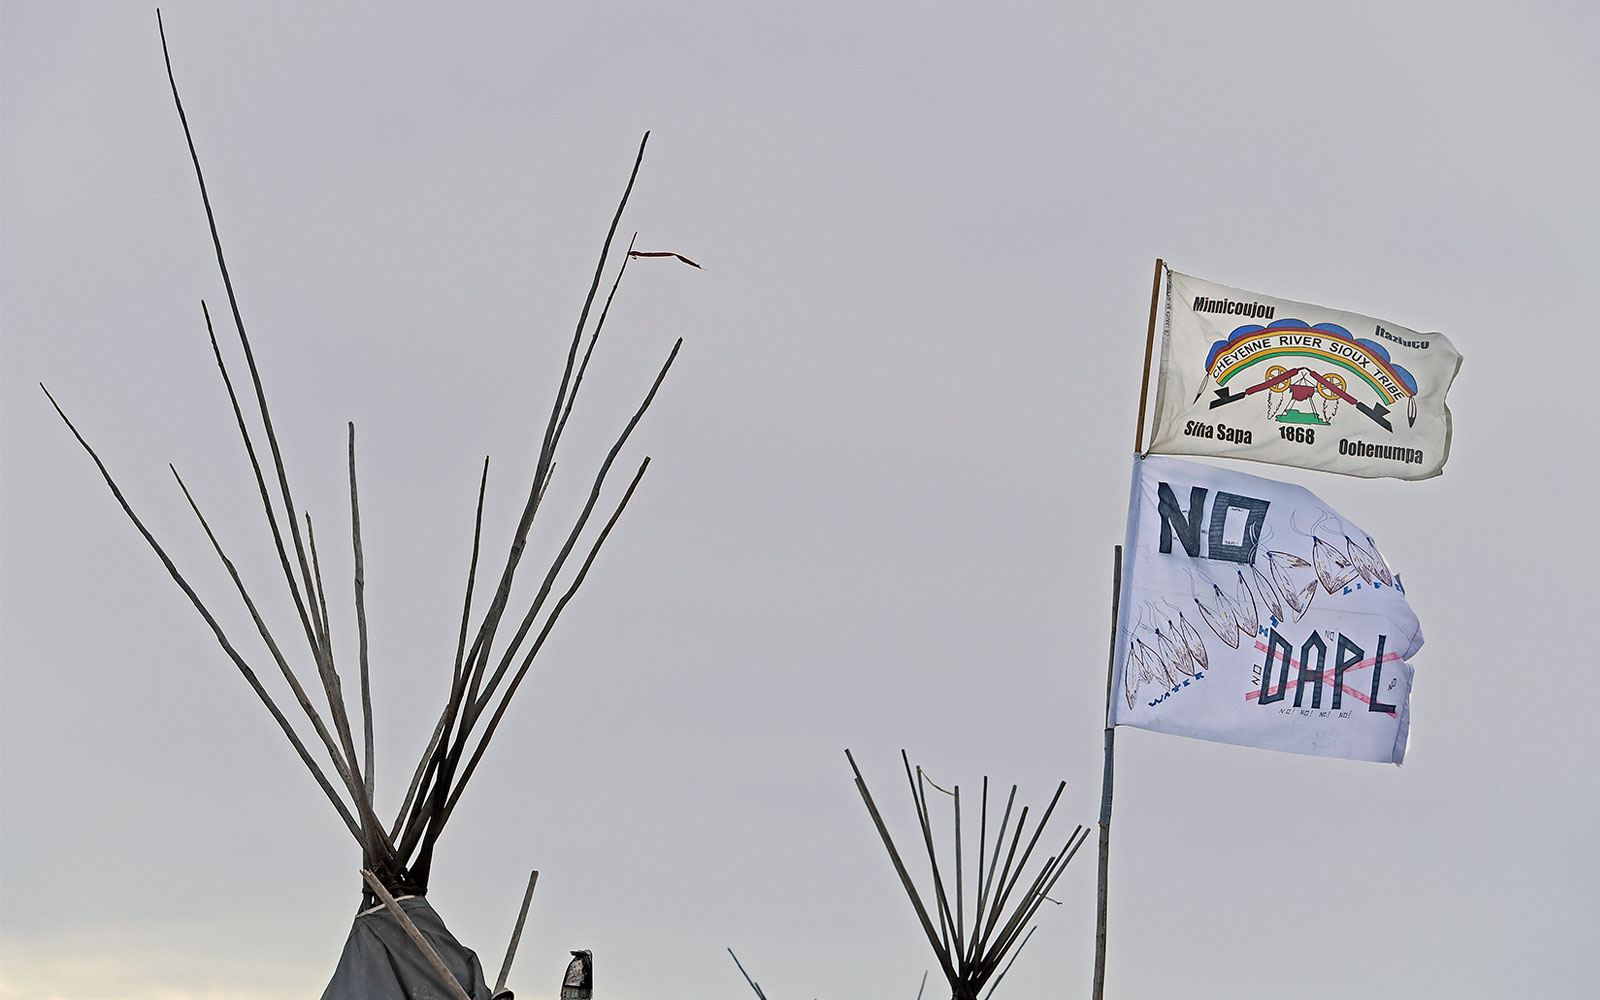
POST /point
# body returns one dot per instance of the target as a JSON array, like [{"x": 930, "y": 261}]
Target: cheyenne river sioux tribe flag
[
  {"x": 1253, "y": 613},
  {"x": 1251, "y": 376}
]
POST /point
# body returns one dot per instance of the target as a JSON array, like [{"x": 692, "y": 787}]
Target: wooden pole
[
  {"x": 757, "y": 987},
  {"x": 900, "y": 869},
  {"x": 516, "y": 934},
  {"x": 211, "y": 622},
  {"x": 1106, "y": 775},
  {"x": 361, "y": 623},
  {"x": 1149, "y": 348}
]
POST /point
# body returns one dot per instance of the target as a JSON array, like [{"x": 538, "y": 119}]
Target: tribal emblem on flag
[
  {"x": 1307, "y": 371},
  {"x": 1251, "y": 376}
]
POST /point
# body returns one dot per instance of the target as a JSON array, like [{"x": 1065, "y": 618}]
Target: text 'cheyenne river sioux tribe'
[{"x": 1336, "y": 346}]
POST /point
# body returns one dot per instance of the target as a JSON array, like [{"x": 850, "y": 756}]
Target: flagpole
[
  {"x": 1109, "y": 769},
  {"x": 1105, "y": 783},
  {"x": 1149, "y": 348}
]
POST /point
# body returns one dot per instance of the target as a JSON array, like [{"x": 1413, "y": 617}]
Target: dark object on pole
[
  {"x": 970, "y": 955},
  {"x": 578, "y": 983}
]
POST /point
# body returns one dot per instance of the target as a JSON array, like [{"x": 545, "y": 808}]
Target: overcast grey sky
[{"x": 888, "y": 471}]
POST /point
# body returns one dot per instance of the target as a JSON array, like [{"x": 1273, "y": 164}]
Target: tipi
[
  {"x": 970, "y": 954},
  {"x": 398, "y": 946}
]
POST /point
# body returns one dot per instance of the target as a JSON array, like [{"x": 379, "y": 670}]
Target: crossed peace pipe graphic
[{"x": 1330, "y": 387}]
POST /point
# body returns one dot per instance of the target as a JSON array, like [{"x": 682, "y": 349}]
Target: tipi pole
[
  {"x": 516, "y": 934},
  {"x": 756, "y": 986},
  {"x": 1149, "y": 349},
  {"x": 1106, "y": 775}
]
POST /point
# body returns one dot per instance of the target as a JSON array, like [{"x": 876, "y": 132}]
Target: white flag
[
  {"x": 1253, "y": 613},
  {"x": 1245, "y": 375}
]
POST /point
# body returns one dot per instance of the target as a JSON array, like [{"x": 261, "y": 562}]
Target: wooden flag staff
[{"x": 1149, "y": 349}]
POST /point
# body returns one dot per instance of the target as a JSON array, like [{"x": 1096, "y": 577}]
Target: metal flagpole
[
  {"x": 1109, "y": 769},
  {"x": 1105, "y": 790}
]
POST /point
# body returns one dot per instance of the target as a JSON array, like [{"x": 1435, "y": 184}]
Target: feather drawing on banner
[
  {"x": 1246, "y": 615},
  {"x": 1221, "y": 618},
  {"x": 1158, "y": 666},
  {"x": 1146, "y": 674},
  {"x": 1192, "y": 642},
  {"x": 1269, "y": 594},
  {"x": 1296, "y": 580},
  {"x": 1132, "y": 678},
  {"x": 1176, "y": 659},
  {"x": 1334, "y": 568},
  {"x": 1371, "y": 561}
]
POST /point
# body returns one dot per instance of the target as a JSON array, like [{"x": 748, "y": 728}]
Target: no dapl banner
[
  {"x": 1253, "y": 613},
  {"x": 1250, "y": 376}
]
